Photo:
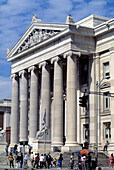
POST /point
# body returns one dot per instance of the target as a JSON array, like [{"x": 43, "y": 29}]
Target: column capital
[
  {"x": 15, "y": 75},
  {"x": 32, "y": 68},
  {"x": 71, "y": 53},
  {"x": 55, "y": 59},
  {"x": 23, "y": 72},
  {"x": 44, "y": 63},
  {"x": 96, "y": 55}
]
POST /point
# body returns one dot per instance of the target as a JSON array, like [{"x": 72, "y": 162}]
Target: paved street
[{"x": 6, "y": 167}]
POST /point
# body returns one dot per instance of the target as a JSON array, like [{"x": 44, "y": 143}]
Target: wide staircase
[{"x": 103, "y": 159}]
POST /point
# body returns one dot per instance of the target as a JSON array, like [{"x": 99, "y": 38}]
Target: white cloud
[{"x": 5, "y": 87}]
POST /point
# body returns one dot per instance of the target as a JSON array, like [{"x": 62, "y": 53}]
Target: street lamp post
[{"x": 97, "y": 89}]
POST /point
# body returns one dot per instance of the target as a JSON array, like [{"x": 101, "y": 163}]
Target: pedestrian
[
  {"x": 48, "y": 160},
  {"x": 15, "y": 148},
  {"x": 11, "y": 159},
  {"x": 88, "y": 162},
  {"x": 41, "y": 161},
  {"x": 111, "y": 161},
  {"x": 21, "y": 160},
  {"x": 36, "y": 164},
  {"x": 60, "y": 160},
  {"x": 29, "y": 148},
  {"x": 45, "y": 160},
  {"x": 72, "y": 160},
  {"x": 106, "y": 145},
  {"x": 32, "y": 159},
  {"x": 25, "y": 160},
  {"x": 17, "y": 159},
  {"x": 6, "y": 149},
  {"x": 83, "y": 161}
]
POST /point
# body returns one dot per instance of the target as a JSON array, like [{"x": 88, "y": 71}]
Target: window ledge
[{"x": 106, "y": 112}]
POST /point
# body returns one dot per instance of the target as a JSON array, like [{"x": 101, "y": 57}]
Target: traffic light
[{"x": 83, "y": 101}]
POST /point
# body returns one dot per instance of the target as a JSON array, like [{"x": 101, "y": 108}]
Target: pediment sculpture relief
[{"x": 36, "y": 37}]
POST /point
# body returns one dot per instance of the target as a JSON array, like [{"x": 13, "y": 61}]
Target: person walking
[
  {"x": 60, "y": 160},
  {"x": 17, "y": 159},
  {"x": 83, "y": 161},
  {"x": 21, "y": 160},
  {"x": 48, "y": 160},
  {"x": 29, "y": 148},
  {"x": 72, "y": 160},
  {"x": 11, "y": 159},
  {"x": 32, "y": 159},
  {"x": 36, "y": 164},
  {"x": 106, "y": 145},
  {"x": 111, "y": 161},
  {"x": 41, "y": 161},
  {"x": 6, "y": 149},
  {"x": 25, "y": 160}
]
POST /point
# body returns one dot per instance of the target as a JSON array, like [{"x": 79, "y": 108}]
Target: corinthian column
[
  {"x": 57, "y": 136},
  {"x": 71, "y": 136},
  {"x": 24, "y": 107},
  {"x": 45, "y": 94},
  {"x": 15, "y": 110},
  {"x": 33, "y": 119}
]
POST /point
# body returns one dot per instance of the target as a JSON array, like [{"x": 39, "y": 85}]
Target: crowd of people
[
  {"x": 17, "y": 159},
  {"x": 45, "y": 160},
  {"x": 84, "y": 162}
]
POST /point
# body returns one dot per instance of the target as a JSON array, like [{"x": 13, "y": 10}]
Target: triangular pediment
[
  {"x": 105, "y": 85},
  {"x": 35, "y": 37},
  {"x": 35, "y": 34}
]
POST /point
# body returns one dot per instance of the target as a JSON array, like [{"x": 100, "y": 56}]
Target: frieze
[{"x": 36, "y": 37}]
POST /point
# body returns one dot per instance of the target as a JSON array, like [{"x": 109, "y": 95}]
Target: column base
[
  {"x": 56, "y": 146},
  {"x": 41, "y": 146},
  {"x": 70, "y": 148}
]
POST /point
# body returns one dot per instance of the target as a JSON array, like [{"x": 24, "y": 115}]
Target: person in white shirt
[
  {"x": 41, "y": 160},
  {"x": 83, "y": 161}
]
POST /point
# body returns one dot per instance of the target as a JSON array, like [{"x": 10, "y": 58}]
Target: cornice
[{"x": 104, "y": 27}]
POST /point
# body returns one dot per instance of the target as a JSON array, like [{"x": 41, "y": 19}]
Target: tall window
[
  {"x": 106, "y": 69},
  {"x": 85, "y": 131},
  {"x": 84, "y": 71},
  {"x": 106, "y": 100},
  {"x": 107, "y": 130}
]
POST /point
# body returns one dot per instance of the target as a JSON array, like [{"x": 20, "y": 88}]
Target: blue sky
[{"x": 16, "y": 17}]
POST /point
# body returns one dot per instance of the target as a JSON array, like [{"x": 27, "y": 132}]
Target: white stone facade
[{"x": 52, "y": 65}]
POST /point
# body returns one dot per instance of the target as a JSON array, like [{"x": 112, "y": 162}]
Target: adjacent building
[
  {"x": 5, "y": 115},
  {"x": 52, "y": 66}
]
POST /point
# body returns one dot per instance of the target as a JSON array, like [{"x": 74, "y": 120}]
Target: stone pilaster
[
  {"x": 111, "y": 62},
  {"x": 57, "y": 136},
  {"x": 15, "y": 110},
  {"x": 33, "y": 118},
  {"x": 45, "y": 94},
  {"x": 24, "y": 106},
  {"x": 92, "y": 99},
  {"x": 71, "y": 136}
]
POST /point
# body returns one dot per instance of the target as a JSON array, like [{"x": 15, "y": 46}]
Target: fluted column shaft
[
  {"x": 33, "y": 119},
  {"x": 45, "y": 94},
  {"x": 15, "y": 110},
  {"x": 24, "y": 107},
  {"x": 57, "y": 138},
  {"x": 71, "y": 137}
]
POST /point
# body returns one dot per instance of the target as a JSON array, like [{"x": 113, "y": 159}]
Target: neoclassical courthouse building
[{"x": 52, "y": 66}]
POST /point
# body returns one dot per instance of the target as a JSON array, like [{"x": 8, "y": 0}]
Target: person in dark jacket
[
  {"x": 21, "y": 160},
  {"x": 48, "y": 160},
  {"x": 60, "y": 160}
]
